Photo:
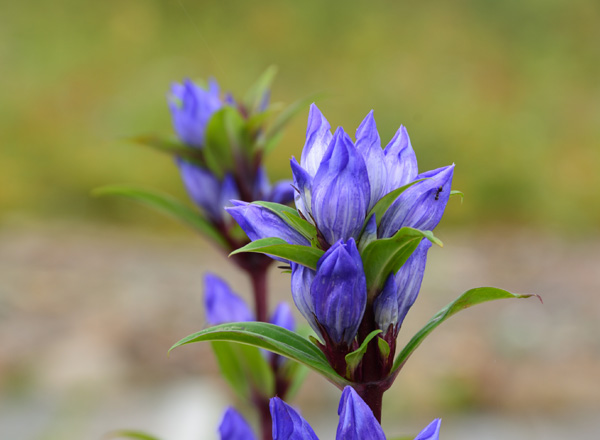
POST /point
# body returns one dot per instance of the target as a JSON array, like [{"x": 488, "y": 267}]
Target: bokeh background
[{"x": 93, "y": 291}]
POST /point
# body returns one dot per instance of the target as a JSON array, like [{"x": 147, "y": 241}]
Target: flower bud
[
  {"x": 385, "y": 306},
  {"x": 400, "y": 161},
  {"x": 191, "y": 108},
  {"x": 339, "y": 292},
  {"x": 422, "y": 205},
  {"x": 222, "y": 304},
  {"x": 287, "y": 423},
  {"x": 234, "y": 427},
  {"x": 357, "y": 421},
  {"x": 318, "y": 137},
  {"x": 302, "y": 279},
  {"x": 431, "y": 432},
  {"x": 340, "y": 191},
  {"x": 368, "y": 145},
  {"x": 409, "y": 279}
]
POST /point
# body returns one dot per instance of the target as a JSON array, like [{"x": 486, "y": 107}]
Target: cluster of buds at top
[{"x": 352, "y": 198}]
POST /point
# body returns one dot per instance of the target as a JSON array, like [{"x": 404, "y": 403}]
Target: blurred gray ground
[{"x": 87, "y": 315}]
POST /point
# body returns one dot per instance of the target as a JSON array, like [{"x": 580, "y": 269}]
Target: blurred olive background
[{"x": 92, "y": 291}]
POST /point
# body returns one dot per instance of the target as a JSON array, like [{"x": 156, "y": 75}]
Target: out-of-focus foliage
[{"x": 509, "y": 90}]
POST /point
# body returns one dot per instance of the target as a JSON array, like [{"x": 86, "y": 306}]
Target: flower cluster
[
  {"x": 356, "y": 423},
  {"x": 192, "y": 108},
  {"x": 341, "y": 187}
]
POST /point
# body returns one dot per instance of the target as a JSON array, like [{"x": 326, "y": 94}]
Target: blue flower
[
  {"x": 234, "y": 427},
  {"x": 332, "y": 299},
  {"x": 357, "y": 421},
  {"x": 191, "y": 108},
  {"x": 401, "y": 290},
  {"x": 207, "y": 191},
  {"x": 222, "y": 304}
]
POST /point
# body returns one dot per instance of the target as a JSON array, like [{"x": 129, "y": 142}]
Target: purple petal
[
  {"x": 385, "y": 306},
  {"x": 222, "y": 305},
  {"x": 260, "y": 222},
  {"x": 357, "y": 421},
  {"x": 287, "y": 423},
  {"x": 400, "y": 161},
  {"x": 422, "y": 205},
  {"x": 340, "y": 191},
  {"x": 302, "y": 278},
  {"x": 369, "y": 145},
  {"x": 431, "y": 432},
  {"x": 204, "y": 189},
  {"x": 318, "y": 137},
  {"x": 234, "y": 427},
  {"x": 339, "y": 292},
  {"x": 303, "y": 183},
  {"x": 262, "y": 186},
  {"x": 409, "y": 279},
  {"x": 283, "y": 317},
  {"x": 283, "y": 192}
]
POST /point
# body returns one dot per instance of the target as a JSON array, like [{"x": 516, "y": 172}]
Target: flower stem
[{"x": 259, "y": 289}]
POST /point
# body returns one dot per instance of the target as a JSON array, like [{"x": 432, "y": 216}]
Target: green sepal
[
  {"x": 468, "y": 299},
  {"x": 291, "y": 217},
  {"x": 305, "y": 255},
  {"x": 354, "y": 358},
  {"x": 166, "y": 204},
  {"x": 385, "y": 256},
  {"x": 245, "y": 368},
  {"x": 386, "y": 201},
  {"x": 273, "y": 338},
  {"x": 384, "y": 348},
  {"x": 226, "y": 138}
]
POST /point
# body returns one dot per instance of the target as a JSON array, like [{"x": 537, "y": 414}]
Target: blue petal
[
  {"x": 191, "y": 108},
  {"x": 357, "y": 421},
  {"x": 302, "y": 278},
  {"x": 203, "y": 188},
  {"x": 262, "y": 186},
  {"x": 259, "y": 222},
  {"x": 318, "y": 137},
  {"x": 422, "y": 205},
  {"x": 369, "y": 145},
  {"x": 283, "y": 317},
  {"x": 303, "y": 183},
  {"x": 288, "y": 424},
  {"x": 283, "y": 192},
  {"x": 234, "y": 427},
  {"x": 222, "y": 305},
  {"x": 431, "y": 432},
  {"x": 400, "y": 161},
  {"x": 369, "y": 234},
  {"x": 229, "y": 191},
  {"x": 409, "y": 278},
  {"x": 340, "y": 191},
  {"x": 339, "y": 292},
  {"x": 385, "y": 306}
]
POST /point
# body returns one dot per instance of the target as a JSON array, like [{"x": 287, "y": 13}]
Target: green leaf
[
  {"x": 354, "y": 358},
  {"x": 384, "y": 348},
  {"x": 226, "y": 135},
  {"x": 171, "y": 146},
  {"x": 305, "y": 255},
  {"x": 167, "y": 205},
  {"x": 245, "y": 368},
  {"x": 468, "y": 299},
  {"x": 255, "y": 94},
  {"x": 291, "y": 217},
  {"x": 273, "y": 338},
  {"x": 125, "y": 433},
  {"x": 386, "y": 201},
  {"x": 458, "y": 193},
  {"x": 384, "y": 256},
  {"x": 274, "y": 132}
]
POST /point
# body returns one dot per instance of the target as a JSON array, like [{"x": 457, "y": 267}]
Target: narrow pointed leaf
[
  {"x": 386, "y": 201},
  {"x": 305, "y": 255},
  {"x": 468, "y": 299},
  {"x": 272, "y": 338},
  {"x": 458, "y": 193},
  {"x": 225, "y": 135},
  {"x": 136, "y": 435},
  {"x": 291, "y": 217},
  {"x": 384, "y": 348},
  {"x": 384, "y": 256},
  {"x": 354, "y": 358},
  {"x": 166, "y": 204},
  {"x": 169, "y": 145},
  {"x": 255, "y": 94}
]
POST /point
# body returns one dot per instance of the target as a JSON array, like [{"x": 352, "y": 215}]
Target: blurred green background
[
  {"x": 94, "y": 290},
  {"x": 509, "y": 91}
]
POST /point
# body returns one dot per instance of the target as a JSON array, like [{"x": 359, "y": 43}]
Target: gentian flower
[
  {"x": 234, "y": 427},
  {"x": 357, "y": 421},
  {"x": 223, "y": 305},
  {"x": 333, "y": 298},
  {"x": 191, "y": 108}
]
